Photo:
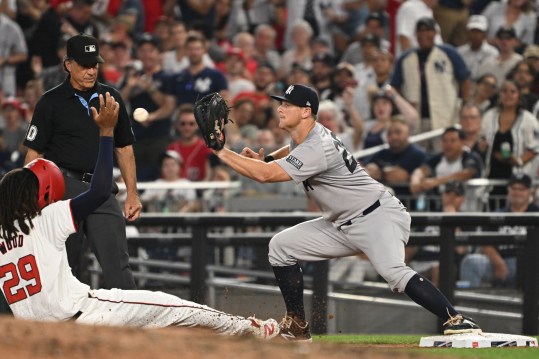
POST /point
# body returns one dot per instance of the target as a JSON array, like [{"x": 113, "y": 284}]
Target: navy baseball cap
[
  {"x": 521, "y": 178},
  {"x": 427, "y": 22},
  {"x": 506, "y": 33},
  {"x": 84, "y": 49},
  {"x": 148, "y": 38},
  {"x": 300, "y": 95}
]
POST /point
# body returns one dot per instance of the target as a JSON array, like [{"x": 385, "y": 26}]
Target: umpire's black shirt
[{"x": 63, "y": 129}]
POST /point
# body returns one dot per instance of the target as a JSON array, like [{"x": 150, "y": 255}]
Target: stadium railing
[{"x": 201, "y": 239}]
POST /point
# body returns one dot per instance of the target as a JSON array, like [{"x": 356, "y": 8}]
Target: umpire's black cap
[
  {"x": 84, "y": 49},
  {"x": 300, "y": 95}
]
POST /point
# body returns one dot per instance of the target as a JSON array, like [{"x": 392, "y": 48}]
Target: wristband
[
  {"x": 269, "y": 158},
  {"x": 520, "y": 163}
]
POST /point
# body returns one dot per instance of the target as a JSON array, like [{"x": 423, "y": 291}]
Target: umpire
[{"x": 63, "y": 131}]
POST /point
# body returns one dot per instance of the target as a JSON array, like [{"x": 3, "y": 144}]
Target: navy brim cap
[
  {"x": 282, "y": 98},
  {"x": 90, "y": 61},
  {"x": 300, "y": 95}
]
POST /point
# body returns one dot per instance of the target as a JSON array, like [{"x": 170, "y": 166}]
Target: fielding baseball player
[
  {"x": 359, "y": 214},
  {"x": 34, "y": 273}
]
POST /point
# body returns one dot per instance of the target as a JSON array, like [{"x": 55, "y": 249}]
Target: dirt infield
[{"x": 37, "y": 340}]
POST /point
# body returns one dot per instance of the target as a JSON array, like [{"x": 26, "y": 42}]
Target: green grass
[{"x": 484, "y": 353}]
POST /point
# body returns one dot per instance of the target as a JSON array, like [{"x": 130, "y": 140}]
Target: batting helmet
[{"x": 51, "y": 181}]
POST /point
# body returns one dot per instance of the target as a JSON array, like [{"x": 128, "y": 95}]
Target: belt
[
  {"x": 81, "y": 176},
  {"x": 365, "y": 212}
]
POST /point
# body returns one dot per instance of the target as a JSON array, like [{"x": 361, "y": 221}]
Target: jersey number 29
[{"x": 26, "y": 269}]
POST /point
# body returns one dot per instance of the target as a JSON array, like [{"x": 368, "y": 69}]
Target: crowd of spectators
[{"x": 384, "y": 70}]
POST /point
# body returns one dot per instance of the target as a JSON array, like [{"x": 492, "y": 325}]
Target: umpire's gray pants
[
  {"x": 381, "y": 235},
  {"x": 104, "y": 230}
]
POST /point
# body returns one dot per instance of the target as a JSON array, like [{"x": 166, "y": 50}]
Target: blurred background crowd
[{"x": 385, "y": 71}]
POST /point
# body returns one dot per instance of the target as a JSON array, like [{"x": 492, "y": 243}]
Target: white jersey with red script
[
  {"x": 34, "y": 273},
  {"x": 37, "y": 282}
]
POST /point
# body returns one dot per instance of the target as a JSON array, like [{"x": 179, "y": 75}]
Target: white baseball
[{"x": 140, "y": 114}]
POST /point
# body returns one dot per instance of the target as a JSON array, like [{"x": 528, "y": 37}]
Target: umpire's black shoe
[
  {"x": 461, "y": 325},
  {"x": 295, "y": 330}
]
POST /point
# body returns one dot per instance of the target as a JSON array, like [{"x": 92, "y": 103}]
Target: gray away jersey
[{"x": 331, "y": 176}]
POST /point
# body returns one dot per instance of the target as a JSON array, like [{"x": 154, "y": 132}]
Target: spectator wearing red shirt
[{"x": 190, "y": 146}]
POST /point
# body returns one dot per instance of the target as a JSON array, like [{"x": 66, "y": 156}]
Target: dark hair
[
  {"x": 376, "y": 16},
  {"x": 18, "y": 195},
  {"x": 484, "y": 76},
  {"x": 512, "y": 72},
  {"x": 195, "y": 36},
  {"x": 461, "y": 134},
  {"x": 520, "y": 105},
  {"x": 383, "y": 95},
  {"x": 186, "y": 108}
]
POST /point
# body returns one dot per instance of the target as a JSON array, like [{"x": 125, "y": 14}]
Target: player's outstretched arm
[
  {"x": 275, "y": 155},
  {"x": 100, "y": 187},
  {"x": 255, "y": 169}
]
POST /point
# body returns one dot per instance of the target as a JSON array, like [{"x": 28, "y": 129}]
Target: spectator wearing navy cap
[
  {"x": 522, "y": 14},
  {"x": 408, "y": 15},
  {"x": 506, "y": 41},
  {"x": 149, "y": 89},
  {"x": 197, "y": 80},
  {"x": 497, "y": 265},
  {"x": 323, "y": 66},
  {"x": 376, "y": 24},
  {"x": 434, "y": 78}
]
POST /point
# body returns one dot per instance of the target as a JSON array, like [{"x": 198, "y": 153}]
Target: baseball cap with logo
[
  {"x": 300, "y": 95},
  {"x": 520, "y": 178},
  {"x": 506, "y": 33},
  {"x": 427, "y": 22},
  {"x": 477, "y": 22},
  {"x": 84, "y": 49},
  {"x": 148, "y": 38}
]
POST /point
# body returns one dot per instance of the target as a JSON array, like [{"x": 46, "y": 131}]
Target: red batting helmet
[{"x": 51, "y": 181}]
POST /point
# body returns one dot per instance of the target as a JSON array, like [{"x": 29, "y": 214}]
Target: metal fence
[{"x": 202, "y": 237}]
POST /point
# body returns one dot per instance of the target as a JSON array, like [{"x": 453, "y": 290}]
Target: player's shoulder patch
[{"x": 294, "y": 162}]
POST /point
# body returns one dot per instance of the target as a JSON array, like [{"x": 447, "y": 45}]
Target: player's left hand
[{"x": 132, "y": 207}]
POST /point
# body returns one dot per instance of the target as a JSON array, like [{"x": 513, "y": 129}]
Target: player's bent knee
[
  {"x": 278, "y": 252},
  {"x": 397, "y": 277}
]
